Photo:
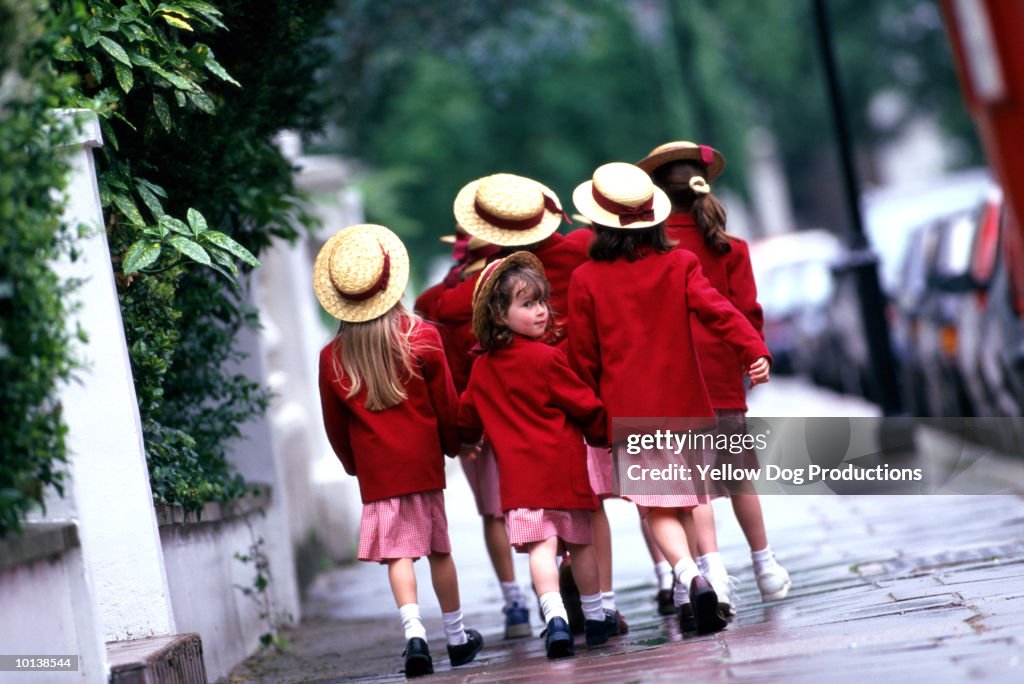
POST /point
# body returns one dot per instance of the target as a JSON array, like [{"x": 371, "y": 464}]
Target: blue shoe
[
  {"x": 559, "y": 643},
  {"x": 517, "y": 622}
]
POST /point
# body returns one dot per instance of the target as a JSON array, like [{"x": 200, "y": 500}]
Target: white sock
[
  {"x": 685, "y": 571},
  {"x": 411, "y": 622},
  {"x": 551, "y": 605},
  {"x": 453, "y": 627},
  {"x": 762, "y": 559},
  {"x": 592, "y": 609},
  {"x": 711, "y": 564},
  {"x": 513, "y": 594},
  {"x": 664, "y": 572},
  {"x": 608, "y": 600}
]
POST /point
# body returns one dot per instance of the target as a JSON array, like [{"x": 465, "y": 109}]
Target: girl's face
[{"x": 527, "y": 315}]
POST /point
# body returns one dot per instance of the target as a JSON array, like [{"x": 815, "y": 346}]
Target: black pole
[{"x": 863, "y": 262}]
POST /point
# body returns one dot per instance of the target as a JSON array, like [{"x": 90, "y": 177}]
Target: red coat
[
  {"x": 630, "y": 336},
  {"x": 451, "y": 308},
  {"x": 535, "y": 411},
  {"x": 732, "y": 275},
  {"x": 399, "y": 450}
]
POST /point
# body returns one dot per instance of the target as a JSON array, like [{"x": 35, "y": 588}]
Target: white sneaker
[
  {"x": 725, "y": 586},
  {"x": 773, "y": 581}
]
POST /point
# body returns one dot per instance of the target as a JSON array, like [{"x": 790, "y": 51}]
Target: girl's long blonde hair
[{"x": 378, "y": 354}]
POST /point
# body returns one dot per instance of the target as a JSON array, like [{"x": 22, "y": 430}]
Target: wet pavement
[{"x": 890, "y": 588}]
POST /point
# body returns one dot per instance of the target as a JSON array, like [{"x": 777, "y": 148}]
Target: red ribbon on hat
[
  {"x": 521, "y": 224},
  {"x": 461, "y": 248},
  {"x": 378, "y": 286},
  {"x": 470, "y": 256},
  {"x": 626, "y": 213},
  {"x": 707, "y": 155}
]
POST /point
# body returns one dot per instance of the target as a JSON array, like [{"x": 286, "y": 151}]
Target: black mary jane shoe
[
  {"x": 704, "y": 602},
  {"x": 687, "y": 623},
  {"x": 465, "y": 653},
  {"x": 417, "y": 658}
]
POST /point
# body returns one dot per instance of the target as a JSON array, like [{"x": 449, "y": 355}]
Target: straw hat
[
  {"x": 360, "y": 273},
  {"x": 684, "y": 149},
  {"x": 488, "y": 280},
  {"x": 621, "y": 195},
  {"x": 508, "y": 210}
]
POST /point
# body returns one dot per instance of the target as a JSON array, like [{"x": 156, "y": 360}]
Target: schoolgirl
[
  {"x": 697, "y": 223},
  {"x": 630, "y": 339},
  {"x": 535, "y": 412},
  {"x": 389, "y": 409}
]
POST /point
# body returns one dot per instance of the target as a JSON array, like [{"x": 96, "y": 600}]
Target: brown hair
[
  {"x": 495, "y": 333},
  {"x": 707, "y": 211},
  {"x": 610, "y": 244},
  {"x": 379, "y": 354}
]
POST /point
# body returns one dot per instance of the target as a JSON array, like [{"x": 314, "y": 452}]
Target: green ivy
[
  {"x": 34, "y": 345},
  {"x": 190, "y": 95}
]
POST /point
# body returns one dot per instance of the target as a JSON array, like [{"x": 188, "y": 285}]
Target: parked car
[{"x": 794, "y": 284}]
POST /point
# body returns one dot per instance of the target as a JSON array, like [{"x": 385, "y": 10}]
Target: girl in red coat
[
  {"x": 697, "y": 223},
  {"x": 535, "y": 412},
  {"x": 630, "y": 338},
  {"x": 389, "y": 411}
]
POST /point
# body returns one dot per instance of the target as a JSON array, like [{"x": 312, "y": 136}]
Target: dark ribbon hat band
[
  {"x": 521, "y": 224},
  {"x": 378, "y": 286},
  {"x": 626, "y": 213}
]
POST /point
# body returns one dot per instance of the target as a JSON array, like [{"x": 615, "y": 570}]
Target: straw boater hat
[
  {"x": 684, "y": 149},
  {"x": 621, "y": 195},
  {"x": 508, "y": 210},
  {"x": 489, "y": 280},
  {"x": 360, "y": 273}
]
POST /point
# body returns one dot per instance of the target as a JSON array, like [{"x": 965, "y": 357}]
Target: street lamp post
[{"x": 862, "y": 265}]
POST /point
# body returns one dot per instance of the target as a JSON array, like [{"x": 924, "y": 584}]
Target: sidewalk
[{"x": 908, "y": 588}]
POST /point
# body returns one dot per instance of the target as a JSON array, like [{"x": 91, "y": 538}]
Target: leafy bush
[
  {"x": 34, "y": 347},
  {"x": 193, "y": 188}
]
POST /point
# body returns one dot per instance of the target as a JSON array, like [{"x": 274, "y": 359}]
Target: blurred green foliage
[
  {"x": 431, "y": 95},
  {"x": 35, "y": 352}
]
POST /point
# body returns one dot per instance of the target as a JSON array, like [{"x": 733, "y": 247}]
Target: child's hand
[
  {"x": 469, "y": 451},
  {"x": 759, "y": 371}
]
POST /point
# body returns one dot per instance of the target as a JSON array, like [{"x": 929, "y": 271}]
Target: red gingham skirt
[
  {"x": 526, "y": 525},
  {"x": 407, "y": 526},
  {"x": 482, "y": 475},
  {"x": 674, "y": 494},
  {"x": 599, "y": 466}
]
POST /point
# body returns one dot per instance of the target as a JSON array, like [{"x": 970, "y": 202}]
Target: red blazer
[
  {"x": 630, "y": 336},
  {"x": 398, "y": 450},
  {"x": 451, "y": 308},
  {"x": 536, "y": 412},
  {"x": 732, "y": 275}
]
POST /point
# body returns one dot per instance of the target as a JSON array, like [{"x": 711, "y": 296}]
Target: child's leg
[
  {"x": 496, "y": 540},
  {"x": 445, "y": 581},
  {"x": 446, "y": 586},
  {"x": 687, "y": 521},
  {"x": 403, "y": 586},
  {"x": 747, "y": 508},
  {"x": 709, "y": 560},
  {"x": 669, "y": 535},
  {"x": 603, "y": 548}
]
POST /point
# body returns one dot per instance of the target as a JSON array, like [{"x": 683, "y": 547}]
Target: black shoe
[
  {"x": 706, "y": 612},
  {"x": 617, "y": 625},
  {"x": 559, "y": 642},
  {"x": 666, "y": 606},
  {"x": 417, "y": 658},
  {"x": 571, "y": 598},
  {"x": 687, "y": 623},
  {"x": 597, "y": 631},
  {"x": 464, "y": 653}
]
